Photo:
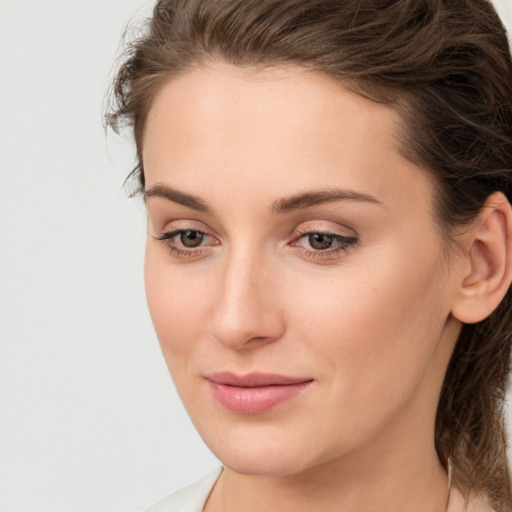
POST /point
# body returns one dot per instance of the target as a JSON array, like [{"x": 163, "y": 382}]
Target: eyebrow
[
  {"x": 315, "y": 198},
  {"x": 285, "y": 205},
  {"x": 176, "y": 196}
]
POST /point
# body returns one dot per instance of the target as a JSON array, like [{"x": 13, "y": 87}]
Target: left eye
[{"x": 326, "y": 242}]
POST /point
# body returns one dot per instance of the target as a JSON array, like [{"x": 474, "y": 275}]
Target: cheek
[
  {"x": 178, "y": 305},
  {"x": 375, "y": 330}
]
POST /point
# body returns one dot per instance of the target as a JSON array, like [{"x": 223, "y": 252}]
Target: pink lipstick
[{"x": 254, "y": 393}]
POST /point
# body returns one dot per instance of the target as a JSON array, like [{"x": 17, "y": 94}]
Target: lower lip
[{"x": 254, "y": 400}]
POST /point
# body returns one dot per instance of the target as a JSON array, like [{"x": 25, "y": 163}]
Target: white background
[{"x": 89, "y": 419}]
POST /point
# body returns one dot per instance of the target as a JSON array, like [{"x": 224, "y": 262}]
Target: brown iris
[
  {"x": 191, "y": 238},
  {"x": 320, "y": 241}
]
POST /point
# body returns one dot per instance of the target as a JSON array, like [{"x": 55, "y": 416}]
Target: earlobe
[{"x": 489, "y": 252}]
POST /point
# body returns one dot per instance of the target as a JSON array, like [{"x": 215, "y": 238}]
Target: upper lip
[{"x": 253, "y": 380}]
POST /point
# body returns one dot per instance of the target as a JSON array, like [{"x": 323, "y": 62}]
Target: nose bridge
[{"x": 246, "y": 310}]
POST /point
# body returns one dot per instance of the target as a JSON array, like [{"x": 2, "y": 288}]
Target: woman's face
[{"x": 294, "y": 273}]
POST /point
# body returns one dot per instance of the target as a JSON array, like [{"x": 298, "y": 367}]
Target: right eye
[{"x": 186, "y": 242}]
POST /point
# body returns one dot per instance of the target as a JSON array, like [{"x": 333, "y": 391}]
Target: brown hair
[{"x": 445, "y": 66}]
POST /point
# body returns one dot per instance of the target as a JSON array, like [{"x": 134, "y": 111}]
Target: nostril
[{"x": 259, "y": 340}]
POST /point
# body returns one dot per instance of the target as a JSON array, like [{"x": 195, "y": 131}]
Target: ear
[{"x": 488, "y": 250}]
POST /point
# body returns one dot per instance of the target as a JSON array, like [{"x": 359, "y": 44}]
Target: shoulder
[{"x": 188, "y": 499}]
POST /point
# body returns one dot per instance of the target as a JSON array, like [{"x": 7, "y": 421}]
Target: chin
[
  {"x": 266, "y": 464},
  {"x": 263, "y": 452}
]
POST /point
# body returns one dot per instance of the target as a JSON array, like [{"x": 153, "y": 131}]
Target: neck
[{"x": 412, "y": 482}]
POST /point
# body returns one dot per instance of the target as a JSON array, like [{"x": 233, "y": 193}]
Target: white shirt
[{"x": 189, "y": 499}]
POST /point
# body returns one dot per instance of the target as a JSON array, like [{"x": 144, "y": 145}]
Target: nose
[{"x": 247, "y": 311}]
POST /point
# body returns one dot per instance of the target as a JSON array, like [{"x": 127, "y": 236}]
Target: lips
[{"x": 254, "y": 393}]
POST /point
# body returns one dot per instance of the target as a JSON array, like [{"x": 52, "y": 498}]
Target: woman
[{"x": 329, "y": 248}]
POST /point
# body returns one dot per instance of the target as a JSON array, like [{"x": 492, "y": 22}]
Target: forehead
[
  {"x": 284, "y": 126},
  {"x": 288, "y": 100}
]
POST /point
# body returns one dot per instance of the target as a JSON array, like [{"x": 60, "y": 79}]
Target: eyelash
[{"x": 345, "y": 243}]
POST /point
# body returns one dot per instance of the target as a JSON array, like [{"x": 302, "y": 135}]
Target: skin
[{"x": 369, "y": 321}]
